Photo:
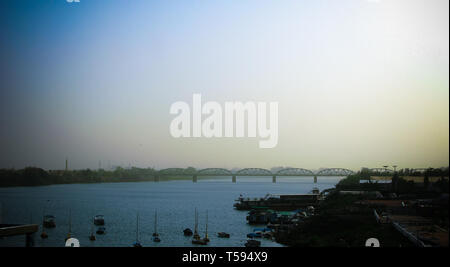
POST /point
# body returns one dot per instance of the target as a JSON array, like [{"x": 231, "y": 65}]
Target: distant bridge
[{"x": 253, "y": 172}]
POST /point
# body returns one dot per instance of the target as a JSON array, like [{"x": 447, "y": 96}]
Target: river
[{"x": 175, "y": 202}]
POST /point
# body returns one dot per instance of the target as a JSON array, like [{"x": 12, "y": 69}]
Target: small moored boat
[
  {"x": 187, "y": 232},
  {"x": 155, "y": 234},
  {"x": 137, "y": 244},
  {"x": 69, "y": 233},
  {"x": 254, "y": 235},
  {"x": 99, "y": 220},
  {"x": 206, "y": 238},
  {"x": 101, "y": 230},
  {"x": 196, "y": 235},
  {"x": 253, "y": 243},
  {"x": 199, "y": 242},
  {"x": 92, "y": 236},
  {"x": 44, "y": 235},
  {"x": 49, "y": 221},
  {"x": 223, "y": 235}
]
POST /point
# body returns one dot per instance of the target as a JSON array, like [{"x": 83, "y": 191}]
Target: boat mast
[
  {"x": 70, "y": 221},
  {"x": 196, "y": 222},
  {"x": 43, "y": 212},
  {"x": 137, "y": 227},
  {"x": 92, "y": 227},
  {"x": 206, "y": 232},
  {"x": 70, "y": 225},
  {"x": 156, "y": 218}
]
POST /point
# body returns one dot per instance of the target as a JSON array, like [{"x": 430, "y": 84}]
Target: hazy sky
[{"x": 359, "y": 82}]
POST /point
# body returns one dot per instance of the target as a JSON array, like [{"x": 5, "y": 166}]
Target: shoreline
[{"x": 168, "y": 179}]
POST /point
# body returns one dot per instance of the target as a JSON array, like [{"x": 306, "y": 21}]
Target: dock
[{"x": 16, "y": 229}]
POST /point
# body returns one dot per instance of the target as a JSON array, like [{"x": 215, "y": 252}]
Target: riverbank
[
  {"x": 32, "y": 176},
  {"x": 341, "y": 224},
  {"x": 354, "y": 212}
]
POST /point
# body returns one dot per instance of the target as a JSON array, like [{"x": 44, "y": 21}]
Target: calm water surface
[{"x": 175, "y": 202}]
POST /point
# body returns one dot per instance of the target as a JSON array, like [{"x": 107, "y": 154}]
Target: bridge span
[{"x": 253, "y": 172}]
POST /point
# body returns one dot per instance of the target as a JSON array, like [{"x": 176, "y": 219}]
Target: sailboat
[
  {"x": 197, "y": 240},
  {"x": 196, "y": 235},
  {"x": 44, "y": 235},
  {"x": 206, "y": 231},
  {"x": 69, "y": 234},
  {"x": 92, "y": 236},
  {"x": 155, "y": 234},
  {"x": 48, "y": 221},
  {"x": 137, "y": 244}
]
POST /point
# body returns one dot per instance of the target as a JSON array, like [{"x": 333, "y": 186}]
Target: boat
[
  {"x": 197, "y": 240},
  {"x": 101, "y": 230},
  {"x": 49, "y": 221},
  {"x": 278, "y": 202},
  {"x": 99, "y": 220},
  {"x": 155, "y": 234},
  {"x": 263, "y": 230},
  {"x": 137, "y": 244},
  {"x": 69, "y": 234},
  {"x": 187, "y": 232},
  {"x": 92, "y": 236},
  {"x": 268, "y": 235},
  {"x": 223, "y": 235},
  {"x": 196, "y": 235},
  {"x": 254, "y": 235},
  {"x": 253, "y": 243},
  {"x": 44, "y": 235},
  {"x": 206, "y": 238}
]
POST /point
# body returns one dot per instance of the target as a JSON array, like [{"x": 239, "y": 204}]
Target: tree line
[{"x": 32, "y": 176}]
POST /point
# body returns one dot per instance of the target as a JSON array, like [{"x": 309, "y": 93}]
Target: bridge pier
[
  {"x": 274, "y": 179},
  {"x": 315, "y": 179},
  {"x": 29, "y": 240},
  {"x": 233, "y": 179},
  {"x": 194, "y": 178}
]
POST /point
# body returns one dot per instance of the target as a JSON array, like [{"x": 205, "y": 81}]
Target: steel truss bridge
[{"x": 254, "y": 172}]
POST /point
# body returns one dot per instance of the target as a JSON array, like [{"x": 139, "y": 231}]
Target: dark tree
[
  {"x": 426, "y": 181},
  {"x": 395, "y": 182}
]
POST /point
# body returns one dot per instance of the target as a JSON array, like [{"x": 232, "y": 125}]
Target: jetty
[{"x": 28, "y": 230}]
